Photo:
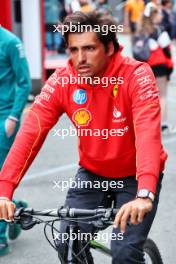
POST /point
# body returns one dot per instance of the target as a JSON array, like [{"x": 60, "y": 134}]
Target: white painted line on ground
[
  {"x": 169, "y": 140},
  {"x": 172, "y": 100},
  {"x": 32, "y": 176}
]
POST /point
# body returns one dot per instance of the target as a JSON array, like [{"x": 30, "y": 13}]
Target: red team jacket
[{"x": 128, "y": 109}]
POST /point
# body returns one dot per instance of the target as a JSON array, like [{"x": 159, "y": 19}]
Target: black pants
[
  {"x": 133, "y": 26},
  {"x": 128, "y": 250}
]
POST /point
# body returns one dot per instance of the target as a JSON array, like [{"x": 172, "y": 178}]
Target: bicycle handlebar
[
  {"x": 26, "y": 216},
  {"x": 67, "y": 212}
]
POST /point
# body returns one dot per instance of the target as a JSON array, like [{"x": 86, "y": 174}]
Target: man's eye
[
  {"x": 90, "y": 48},
  {"x": 73, "y": 50}
]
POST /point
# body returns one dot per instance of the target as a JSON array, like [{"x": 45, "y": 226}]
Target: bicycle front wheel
[{"x": 152, "y": 254}]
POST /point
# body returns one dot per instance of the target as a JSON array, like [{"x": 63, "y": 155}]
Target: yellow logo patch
[
  {"x": 81, "y": 117},
  {"x": 115, "y": 90}
]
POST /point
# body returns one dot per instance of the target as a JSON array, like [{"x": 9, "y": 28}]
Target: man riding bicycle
[{"x": 127, "y": 107}]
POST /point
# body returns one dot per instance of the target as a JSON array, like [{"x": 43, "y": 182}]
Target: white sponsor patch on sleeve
[
  {"x": 20, "y": 50},
  {"x": 140, "y": 70}
]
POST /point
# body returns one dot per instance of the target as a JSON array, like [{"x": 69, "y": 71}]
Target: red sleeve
[
  {"x": 146, "y": 119},
  {"x": 43, "y": 114}
]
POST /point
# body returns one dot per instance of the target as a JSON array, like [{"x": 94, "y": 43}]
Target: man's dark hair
[
  {"x": 93, "y": 19},
  {"x": 165, "y": 2}
]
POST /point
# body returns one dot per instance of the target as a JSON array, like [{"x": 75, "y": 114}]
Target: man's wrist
[
  {"x": 4, "y": 198},
  {"x": 145, "y": 193}
]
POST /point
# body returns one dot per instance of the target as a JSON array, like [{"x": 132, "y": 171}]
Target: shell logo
[
  {"x": 81, "y": 117},
  {"x": 115, "y": 90}
]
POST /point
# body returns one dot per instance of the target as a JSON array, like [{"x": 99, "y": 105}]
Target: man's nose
[{"x": 81, "y": 56}]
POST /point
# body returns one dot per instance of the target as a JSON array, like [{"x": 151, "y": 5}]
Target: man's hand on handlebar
[{"x": 7, "y": 209}]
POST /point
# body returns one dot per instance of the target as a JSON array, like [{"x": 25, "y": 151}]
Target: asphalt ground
[{"x": 56, "y": 161}]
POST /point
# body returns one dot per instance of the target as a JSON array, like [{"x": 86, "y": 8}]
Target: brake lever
[
  {"x": 25, "y": 220},
  {"x": 18, "y": 212}
]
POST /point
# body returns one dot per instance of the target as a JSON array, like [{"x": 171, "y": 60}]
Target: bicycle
[{"x": 75, "y": 250}]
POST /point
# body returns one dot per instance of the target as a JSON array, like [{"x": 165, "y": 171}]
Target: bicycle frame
[
  {"x": 99, "y": 247},
  {"x": 66, "y": 251},
  {"x": 69, "y": 252}
]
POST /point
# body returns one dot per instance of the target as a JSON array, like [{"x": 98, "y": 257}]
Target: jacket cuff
[
  {"x": 147, "y": 182},
  {"x": 6, "y": 189}
]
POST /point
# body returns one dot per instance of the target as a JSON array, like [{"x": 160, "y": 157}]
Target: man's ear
[{"x": 110, "y": 48}]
